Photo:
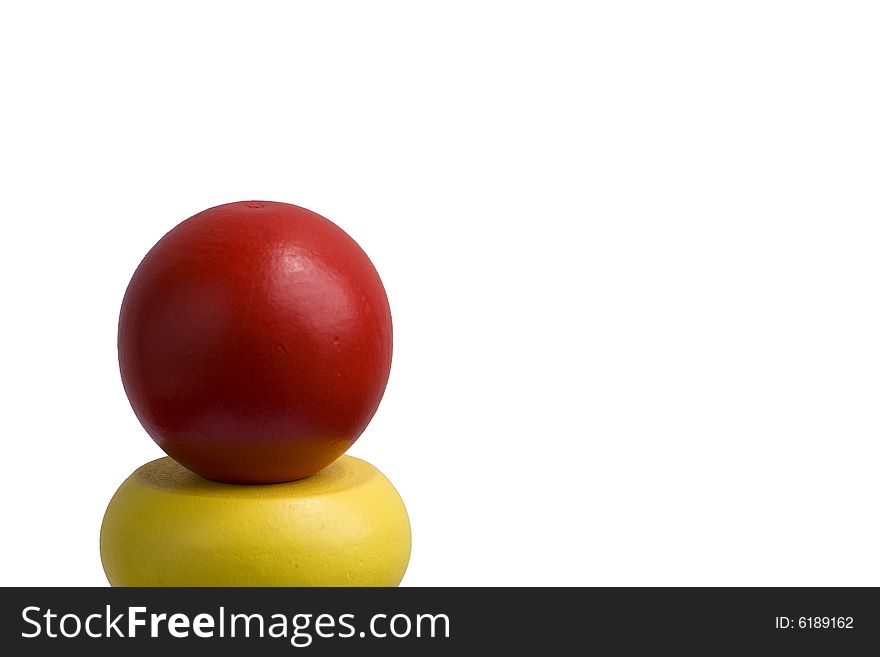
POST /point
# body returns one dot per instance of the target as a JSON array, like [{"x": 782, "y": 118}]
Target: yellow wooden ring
[{"x": 344, "y": 526}]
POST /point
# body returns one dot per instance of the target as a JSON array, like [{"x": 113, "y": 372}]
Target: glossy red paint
[{"x": 255, "y": 342}]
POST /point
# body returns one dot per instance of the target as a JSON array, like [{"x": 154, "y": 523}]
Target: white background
[{"x": 632, "y": 251}]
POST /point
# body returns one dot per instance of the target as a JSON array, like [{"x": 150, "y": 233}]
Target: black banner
[{"x": 439, "y": 621}]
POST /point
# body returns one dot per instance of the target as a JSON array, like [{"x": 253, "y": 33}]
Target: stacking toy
[{"x": 254, "y": 346}]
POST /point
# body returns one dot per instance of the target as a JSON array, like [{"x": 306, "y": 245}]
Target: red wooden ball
[{"x": 255, "y": 342}]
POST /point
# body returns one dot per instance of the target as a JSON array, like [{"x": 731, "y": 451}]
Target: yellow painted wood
[{"x": 344, "y": 526}]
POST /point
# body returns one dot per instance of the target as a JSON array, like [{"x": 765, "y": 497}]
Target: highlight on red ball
[{"x": 255, "y": 342}]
